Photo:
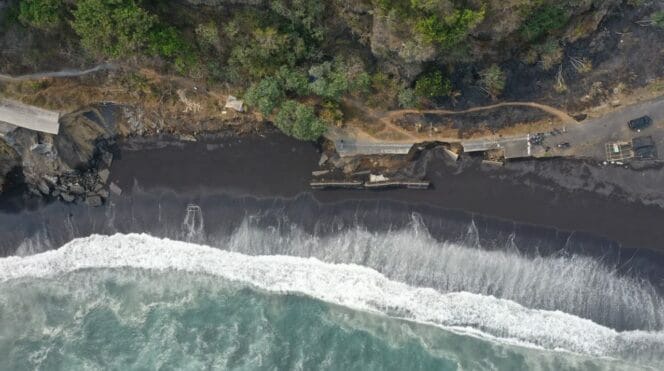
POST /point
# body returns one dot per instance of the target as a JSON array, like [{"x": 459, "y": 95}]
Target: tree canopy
[
  {"x": 44, "y": 14},
  {"x": 112, "y": 28}
]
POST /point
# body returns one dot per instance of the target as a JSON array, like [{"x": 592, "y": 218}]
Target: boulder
[
  {"x": 67, "y": 197},
  {"x": 76, "y": 189},
  {"x": 43, "y": 188}
]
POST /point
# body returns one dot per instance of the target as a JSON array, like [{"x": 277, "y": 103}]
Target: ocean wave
[
  {"x": 352, "y": 286},
  {"x": 584, "y": 286}
]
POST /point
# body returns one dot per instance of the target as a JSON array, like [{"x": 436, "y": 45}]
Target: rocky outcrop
[{"x": 72, "y": 165}]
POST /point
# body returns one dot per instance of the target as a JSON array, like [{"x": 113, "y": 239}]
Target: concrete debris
[
  {"x": 115, "y": 189},
  {"x": 377, "y": 178},
  {"x": 323, "y": 159},
  {"x": 233, "y": 103},
  {"x": 103, "y": 175},
  {"x": 320, "y": 172}
]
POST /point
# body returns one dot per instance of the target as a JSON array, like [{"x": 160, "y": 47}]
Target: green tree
[
  {"x": 112, "y": 28},
  {"x": 329, "y": 82},
  {"x": 294, "y": 80},
  {"x": 304, "y": 15},
  {"x": 493, "y": 81},
  {"x": 207, "y": 35},
  {"x": 433, "y": 85},
  {"x": 407, "y": 98},
  {"x": 43, "y": 14},
  {"x": 167, "y": 42},
  {"x": 265, "y": 95},
  {"x": 263, "y": 52},
  {"x": 543, "y": 21},
  {"x": 299, "y": 121}
]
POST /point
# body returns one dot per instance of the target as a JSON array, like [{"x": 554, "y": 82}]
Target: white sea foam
[{"x": 351, "y": 286}]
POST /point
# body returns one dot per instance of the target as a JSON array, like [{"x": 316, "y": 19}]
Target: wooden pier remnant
[
  {"x": 336, "y": 184},
  {"x": 397, "y": 184},
  {"x": 354, "y": 184}
]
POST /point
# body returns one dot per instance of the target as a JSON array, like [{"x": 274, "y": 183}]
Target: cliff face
[{"x": 9, "y": 159}]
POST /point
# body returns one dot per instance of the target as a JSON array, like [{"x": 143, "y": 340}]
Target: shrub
[
  {"x": 299, "y": 121},
  {"x": 658, "y": 19},
  {"x": 551, "y": 53},
  {"x": 265, "y": 95},
  {"x": 361, "y": 84},
  {"x": 43, "y": 14},
  {"x": 112, "y": 28},
  {"x": 493, "y": 81},
  {"x": 407, "y": 98},
  {"x": 331, "y": 113},
  {"x": 432, "y": 85}
]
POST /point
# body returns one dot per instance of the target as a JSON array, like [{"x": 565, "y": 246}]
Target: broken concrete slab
[
  {"x": 103, "y": 175},
  {"x": 233, "y": 103},
  {"x": 115, "y": 189}
]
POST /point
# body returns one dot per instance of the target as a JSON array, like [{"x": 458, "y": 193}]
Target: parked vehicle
[
  {"x": 640, "y": 123},
  {"x": 563, "y": 145}
]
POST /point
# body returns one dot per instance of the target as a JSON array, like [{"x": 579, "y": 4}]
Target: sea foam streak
[{"x": 351, "y": 286}]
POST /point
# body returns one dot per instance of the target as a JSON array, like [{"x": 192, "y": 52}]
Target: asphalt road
[
  {"x": 29, "y": 117},
  {"x": 588, "y": 139}
]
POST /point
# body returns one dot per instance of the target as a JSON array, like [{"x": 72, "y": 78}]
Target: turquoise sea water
[
  {"x": 134, "y": 319},
  {"x": 94, "y": 305}
]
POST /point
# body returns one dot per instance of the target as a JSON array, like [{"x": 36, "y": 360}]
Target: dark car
[{"x": 640, "y": 123}]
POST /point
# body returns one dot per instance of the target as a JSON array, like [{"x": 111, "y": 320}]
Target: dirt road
[{"x": 63, "y": 73}]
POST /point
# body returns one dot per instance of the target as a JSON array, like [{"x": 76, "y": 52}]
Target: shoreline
[{"x": 229, "y": 179}]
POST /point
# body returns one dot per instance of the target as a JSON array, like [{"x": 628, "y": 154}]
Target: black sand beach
[{"x": 280, "y": 167}]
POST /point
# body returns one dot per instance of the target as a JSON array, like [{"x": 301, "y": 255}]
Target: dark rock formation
[{"x": 72, "y": 165}]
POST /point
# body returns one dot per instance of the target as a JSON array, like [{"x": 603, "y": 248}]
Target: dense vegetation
[{"x": 297, "y": 60}]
